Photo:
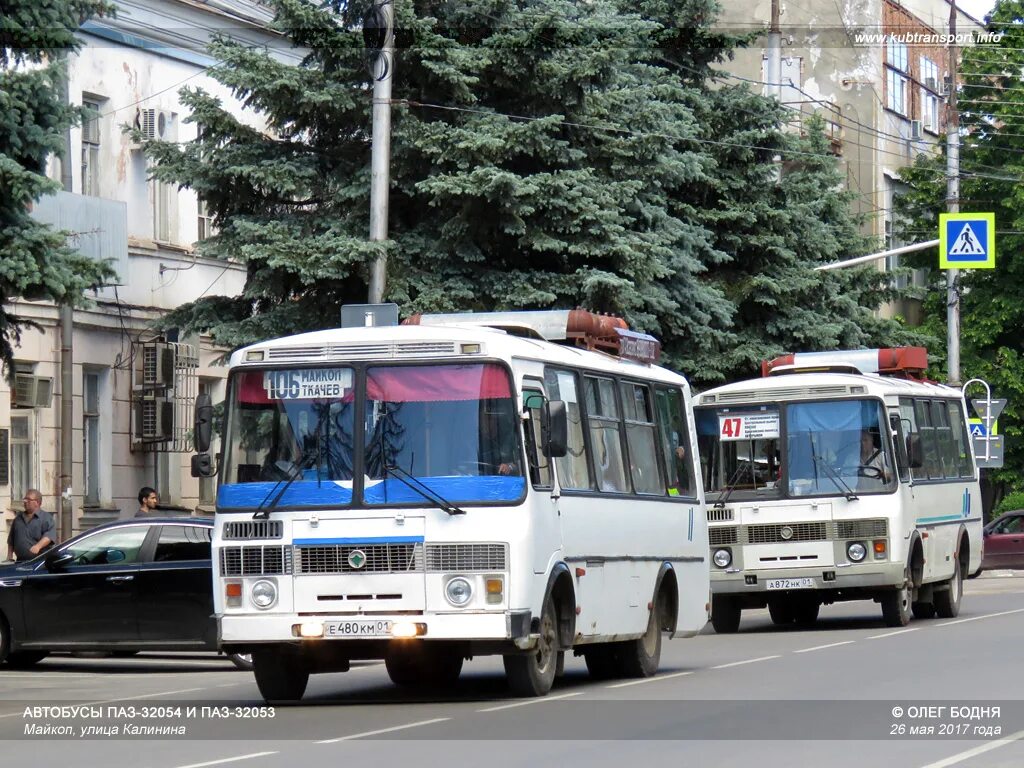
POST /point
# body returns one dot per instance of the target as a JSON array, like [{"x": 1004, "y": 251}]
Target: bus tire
[
  {"x": 532, "y": 674},
  {"x": 281, "y": 678},
  {"x": 640, "y": 657},
  {"x": 896, "y": 606},
  {"x": 947, "y": 602},
  {"x": 600, "y": 660},
  {"x": 781, "y": 611},
  {"x": 725, "y": 614},
  {"x": 923, "y": 610},
  {"x": 805, "y": 610}
]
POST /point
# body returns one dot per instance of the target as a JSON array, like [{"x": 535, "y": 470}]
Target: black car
[{"x": 133, "y": 585}]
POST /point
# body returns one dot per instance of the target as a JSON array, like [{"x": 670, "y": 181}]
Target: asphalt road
[{"x": 847, "y": 692}]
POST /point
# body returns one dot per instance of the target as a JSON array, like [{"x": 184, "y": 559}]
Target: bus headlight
[
  {"x": 856, "y": 551},
  {"x": 722, "y": 558},
  {"x": 263, "y": 594},
  {"x": 458, "y": 591}
]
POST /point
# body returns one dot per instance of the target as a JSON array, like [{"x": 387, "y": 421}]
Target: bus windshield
[
  {"x": 823, "y": 448},
  {"x": 449, "y": 431}
]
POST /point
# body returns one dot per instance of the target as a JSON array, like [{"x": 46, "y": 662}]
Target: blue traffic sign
[{"x": 967, "y": 240}]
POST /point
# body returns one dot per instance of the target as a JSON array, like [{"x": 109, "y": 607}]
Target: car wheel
[{"x": 241, "y": 660}]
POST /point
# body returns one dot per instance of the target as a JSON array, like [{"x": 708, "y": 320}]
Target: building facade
[
  {"x": 877, "y": 72},
  {"x": 131, "y": 388}
]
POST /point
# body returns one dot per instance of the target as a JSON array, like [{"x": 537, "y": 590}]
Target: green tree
[
  {"x": 35, "y": 261},
  {"x": 991, "y": 102},
  {"x": 545, "y": 154}
]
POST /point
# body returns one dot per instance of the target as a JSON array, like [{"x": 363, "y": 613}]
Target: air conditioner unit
[
  {"x": 154, "y": 366},
  {"x": 154, "y": 419},
  {"x": 32, "y": 391},
  {"x": 916, "y": 132},
  {"x": 156, "y": 124}
]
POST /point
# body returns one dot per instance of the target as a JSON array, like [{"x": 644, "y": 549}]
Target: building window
[
  {"x": 205, "y": 227},
  {"x": 929, "y": 98},
  {"x": 91, "y": 146},
  {"x": 896, "y": 81},
  {"x": 23, "y": 474},
  {"x": 91, "y": 436},
  {"x": 164, "y": 198}
]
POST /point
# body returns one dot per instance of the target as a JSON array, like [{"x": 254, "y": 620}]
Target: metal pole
[
  {"x": 67, "y": 354},
  {"x": 775, "y": 54},
  {"x": 876, "y": 256},
  {"x": 380, "y": 158},
  {"x": 952, "y": 206}
]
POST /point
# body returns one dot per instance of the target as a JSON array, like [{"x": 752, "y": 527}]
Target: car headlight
[
  {"x": 722, "y": 557},
  {"x": 856, "y": 551},
  {"x": 263, "y": 594},
  {"x": 458, "y": 591}
]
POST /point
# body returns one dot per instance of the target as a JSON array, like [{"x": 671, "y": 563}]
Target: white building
[{"x": 129, "y": 69}]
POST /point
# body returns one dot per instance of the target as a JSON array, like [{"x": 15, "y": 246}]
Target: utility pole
[
  {"x": 67, "y": 353},
  {"x": 775, "y": 54},
  {"x": 952, "y": 206},
  {"x": 380, "y": 158}
]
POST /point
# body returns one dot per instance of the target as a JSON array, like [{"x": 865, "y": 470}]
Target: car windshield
[{"x": 447, "y": 430}]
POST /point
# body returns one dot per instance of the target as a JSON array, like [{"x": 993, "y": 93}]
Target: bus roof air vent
[
  {"x": 899, "y": 362},
  {"x": 578, "y": 327}
]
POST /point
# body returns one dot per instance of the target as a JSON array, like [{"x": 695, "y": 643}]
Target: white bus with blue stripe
[
  {"x": 522, "y": 484},
  {"x": 839, "y": 476}
]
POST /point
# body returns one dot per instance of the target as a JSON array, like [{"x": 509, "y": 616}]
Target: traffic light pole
[
  {"x": 380, "y": 157},
  {"x": 952, "y": 206}
]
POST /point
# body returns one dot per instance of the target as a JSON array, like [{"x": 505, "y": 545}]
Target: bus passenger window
[
  {"x": 540, "y": 469},
  {"x": 573, "y": 469},
  {"x": 674, "y": 442},
  {"x": 605, "y": 435}
]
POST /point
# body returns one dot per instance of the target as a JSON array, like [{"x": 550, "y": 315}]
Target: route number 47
[{"x": 732, "y": 427}]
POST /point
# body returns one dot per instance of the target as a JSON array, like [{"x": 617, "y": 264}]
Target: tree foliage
[
  {"x": 36, "y": 262},
  {"x": 991, "y": 102},
  {"x": 545, "y": 153}
]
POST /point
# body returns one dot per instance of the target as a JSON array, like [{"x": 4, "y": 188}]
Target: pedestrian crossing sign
[{"x": 967, "y": 240}]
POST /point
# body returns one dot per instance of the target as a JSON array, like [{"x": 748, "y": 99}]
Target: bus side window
[
  {"x": 573, "y": 468},
  {"x": 540, "y": 469},
  {"x": 675, "y": 442},
  {"x": 915, "y": 455},
  {"x": 902, "y": 460}
]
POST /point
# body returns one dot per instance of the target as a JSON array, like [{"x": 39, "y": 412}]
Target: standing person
[
  {"x": 33, "y": 529},
  {"x": 148, "y": 501}
]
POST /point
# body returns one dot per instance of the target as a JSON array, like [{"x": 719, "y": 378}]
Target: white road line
[
  {"x": 959, "y": 758},
  {"x": 227, "y": 760},
  {"x": 748, "y": 661},
  {"x": 897, "y": 632},
  {"x": 539, "y": 700},
  {"x": 823, "y": 647},
  {"x": 976, "y": 618},
  {"x": 655, "y": 679},
  {"x": 125, "y": 698},
  {"x": 383, "y": 730}
]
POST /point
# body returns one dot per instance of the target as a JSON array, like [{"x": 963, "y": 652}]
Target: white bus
[
  {"x": 839, "y": 476},
  {"x": 385, "y": 492}
]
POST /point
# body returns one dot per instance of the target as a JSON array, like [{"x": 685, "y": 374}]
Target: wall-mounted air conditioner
[
  {"x": 156, "y": 124},
  {"x": 154, "y": 365},
  {"x": 154, "y": 419},
  {"x": 32, "y": 391}
]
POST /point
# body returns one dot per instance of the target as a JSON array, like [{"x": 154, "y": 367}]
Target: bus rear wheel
[
  {"x": 533, "y": 674},
  {"x": 947, "y": 602},
  {"x": 780, "y": 610},
  {"x": 805, "y": 610},
  {"x": 640, "y": 657},
  {"x": 923, "y": 610},
  {"x": 725, "y": 614},
  {"x": 281, "y": 677}
]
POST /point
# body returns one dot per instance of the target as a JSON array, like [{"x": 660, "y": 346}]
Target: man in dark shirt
[
  {"x": 33, "y": 530},
  {"x": 148, "y": 501}
]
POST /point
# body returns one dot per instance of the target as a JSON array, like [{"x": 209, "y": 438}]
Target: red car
[{"x": 1004, "y": 542}]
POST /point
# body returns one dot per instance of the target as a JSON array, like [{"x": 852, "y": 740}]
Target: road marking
[
  {"x": 384, "y": 730},
  {"x": 959, "y": 758},
  {"x": 654, "y": 679},
  {"x": 227, "y": 760},
  {"x": 976, "y": 618},
  {"x": 748, "y": 661},
  {"x": 822, "y": 647},
  {"x": 897, "y": 632},
  {"x": 538, "y": 700},
  {"x": 125, "y": 698}
]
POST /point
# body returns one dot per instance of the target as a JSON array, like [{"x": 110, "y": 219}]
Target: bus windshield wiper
[
  {"x": 263, "y": 512},
  {"x": 729, "y": 488},
  {"x": 423, "y": 490},
  {"x": 832, "y": 475}
]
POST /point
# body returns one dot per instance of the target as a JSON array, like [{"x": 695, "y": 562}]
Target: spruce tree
[{"x": 35, "y": 261}]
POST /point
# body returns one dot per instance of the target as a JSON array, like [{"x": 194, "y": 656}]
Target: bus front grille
[
  {"x": 772, "y": 533},
  {"x": 354, "y": 558},
  {"x": 467, "y": 557},
  {"x": 255, "y": 561}
]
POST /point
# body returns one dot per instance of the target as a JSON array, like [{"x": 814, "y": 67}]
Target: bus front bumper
[{"x": 866, "y": 576}]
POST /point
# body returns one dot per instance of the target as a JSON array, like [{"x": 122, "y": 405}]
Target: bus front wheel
[
  {"x": 725, "y": 614},
  {"x": 281, "y": 677},
  {"x": 896, "y": 606},
  {"x": 533, "y": 674}
]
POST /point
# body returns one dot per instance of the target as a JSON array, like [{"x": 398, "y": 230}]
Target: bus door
[{"x": 546, "y": 535}]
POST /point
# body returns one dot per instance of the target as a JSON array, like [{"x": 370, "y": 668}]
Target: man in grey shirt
[{"x": 33, "y": 530}]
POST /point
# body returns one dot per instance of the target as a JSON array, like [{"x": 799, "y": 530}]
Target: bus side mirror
[
  {"x": 555, "y": 429},
  {"x": 202, "y": 426},
  {"x": 202, "y": 465}
]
